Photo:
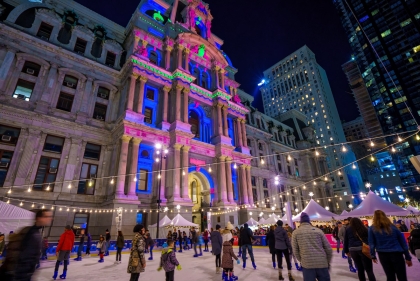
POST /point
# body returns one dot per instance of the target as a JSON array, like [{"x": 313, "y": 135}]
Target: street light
[
  {"x": 162, "y": 155},
  {"x": 368, "y": 185}
]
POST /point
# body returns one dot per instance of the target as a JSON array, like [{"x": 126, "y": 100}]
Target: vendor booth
[
  {"x": 12, "y": 218},
  {"x": 373, "y": 202},
  {"x": 316, "y": 213}
]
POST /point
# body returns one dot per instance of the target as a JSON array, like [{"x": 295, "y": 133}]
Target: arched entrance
[{"x": 200, "y": 190}]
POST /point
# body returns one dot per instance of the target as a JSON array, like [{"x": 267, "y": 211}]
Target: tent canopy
[
  {"x": 163, "y": 222},
  {"x": 261, "y": 221},
  {"x": 271, "y": 220},
  {"x": 413, "y": 210},
  {"x": 167, "y": 224},
  {"x": 344, "y": 213},
  {"x": 373, "y": 202},
  {"x": 316, "y": 212},
  {"x": 12, "y": 217},
  {"x": 252, "y": 222},
  {"x": 180, "y": 221}
]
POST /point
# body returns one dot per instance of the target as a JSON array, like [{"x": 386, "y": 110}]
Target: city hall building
[{"x": 95, "y": 116}]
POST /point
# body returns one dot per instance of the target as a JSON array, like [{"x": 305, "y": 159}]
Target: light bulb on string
[
  {"x": 112, "y": 181},
  {"x": 339, "y": 172},
  {"x": 21, "y": 204},
  {"x": 304, "y": 187},
  {"x": 262, "y": 161},
  {"x": 344, "y": 149},
  {"x": 354, "y": 166},
  {"x": 33, "y": 205},
  {"x": 9, "y": 191},
  {"x": 157, "y": 160},
  {"x": 183, "y": 173},
  {"x": 8, "y": 201},
  {"x": 417, "y": 137},
  {"x": 90, "y": 183},
  {"x": 135, "y": 178},
  {"x": 69, "y": 186},
  {"x": 399, "y": 139},
  {"x": 393, "y": 149},
  {"x": 372, "y": 144},
  {"x": 314, "y": 182},
  {"x": 48, "y": 187},
  {"x": 289, "y": 158},
  {"x": 372, "y": 158},
  {"x": 29, "y": 189},
  {"x": 325, "y": 178},
  {"x": 159, "y": 176},
  {"x": 236, "y": 166},
  {"x": 209, "y": 169},
  {"x": 316, "y": 153}
]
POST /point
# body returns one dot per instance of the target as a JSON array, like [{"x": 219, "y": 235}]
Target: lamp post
[{"x": 161, "y": 154}]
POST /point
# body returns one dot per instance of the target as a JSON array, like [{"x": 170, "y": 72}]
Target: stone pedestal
[
  {"x": 222, "y": 140},
  {"x": 180, "y": 126}
]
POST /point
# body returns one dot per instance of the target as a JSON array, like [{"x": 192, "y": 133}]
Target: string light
[
  {"x": 354, "y": 166},
  {"x": 48, "y": 187},
  {"x": 236, "y": 166},
  {"x": 289, "y": 158},
  {"x": 316, "y": 153},
  {"x": 90, "y": 183},
  {"x": 372, "y": 158},
  {"x": 159, "y": 176},
  {"x": 8, "y": 201},
  {"x": 29, "y": 189},
  {"x": 372, "y": 144},
  {"x": 21, "y": 204},
  {"x": 135, "y": 178},
  {"x": 339, "y": 172},
  {"x": 112, "y": 181},
  {"x": 344, "y": 149},
  {"x": 209, "y": 169},
  {"x": 399, "y": 139},
  {"x": 393, "y": 149},
  {"x": 69, "y": 186},
  {"x": 183, "y": 173},
  {"x": 33, "y": 205},
  {"x": 262, "y": 161},
  {"x": 10, "y": 191}
]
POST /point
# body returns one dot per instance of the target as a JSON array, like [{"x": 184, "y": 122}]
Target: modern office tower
[
  {"x": 385, "y": 39},
  {"x": 299, "y": 82}
]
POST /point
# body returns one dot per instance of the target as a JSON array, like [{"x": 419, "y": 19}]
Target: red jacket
[{"x": 66, "y": 241}]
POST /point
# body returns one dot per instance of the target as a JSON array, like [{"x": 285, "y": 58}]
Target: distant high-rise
[
  {"x": 299, "y": 82},
  {"x": 385, "y": 39}
]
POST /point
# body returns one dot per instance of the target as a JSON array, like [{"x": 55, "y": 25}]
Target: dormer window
[
  {"x": 153, "y": 58},
  {"x": 103, "y": 93},
  {"x": 44, "y": 31},
  {"x": 70, "y": 81},
  {"x": 31, "y": 68},
  {"x": 110, "y": 59},
  {"x": 80, "y": 46}
]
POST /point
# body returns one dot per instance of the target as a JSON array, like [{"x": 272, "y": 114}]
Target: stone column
[
  {"x": 219, "y": 120},
  {"x": 222, "y": 179},
  {"x": 229, "y": 180},
  {"x": 185, "y": 161},
  {"x": 180, "y": 50},
  {"x": 122, "y": 166},
  {"x": 135, "y": 145},
  {"x": 168, "y": 50},
  {"x": 249, "y": 184},
  {"x": 163, "y": 180},
  {"x": 86, "y": 95},
  {"x": 243, "y": 185},
  {"x": 216, "y": 76},
  {"x": 225, "y": 121},
  {"x": 243, "y": 131},
  {"x": 177, "y": 172},
  {"x": 5, "y": 67},
  {"x": 178, "y": 102},
  {"x": 239, "y": 132},
  {"x": 187, "y": 60},
  {"x": 135, "y": 42},
  {"x": 166, "y": 90},
  {"x": 186, "y": 92},
  {"x": 222, "y": 79},
  {"x": 174, "y": 10},
  {"x": 131, "y": 92},
  {"x": 139, "y": 108}
]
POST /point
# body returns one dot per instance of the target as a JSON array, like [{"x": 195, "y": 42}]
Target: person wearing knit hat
[
  {"x": 283, "y": 248},
  {"x": 228, "y": 256},
  {"x": 312, "y": 249}
]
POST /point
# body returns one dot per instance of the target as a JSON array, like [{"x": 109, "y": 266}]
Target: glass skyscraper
[{"x": 385, "y": 38}]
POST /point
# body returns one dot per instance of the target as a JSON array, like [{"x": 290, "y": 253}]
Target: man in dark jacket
[
  {"x": 335, "y": 235},
  {"x": 283, "y": 247},
  {"x": 246, "y": 242},
  {"x": 414, "y": 241},
  {"x": 24, "y": 250},
  {"x": 174, "y": 238},
  {"x": 81, "y": 244},
  {"x": 88, "y": 244},
  {"x": 216, "y": 245},
  {"x": 194, "y": 241},
  {"x": 108, "y": 241}
]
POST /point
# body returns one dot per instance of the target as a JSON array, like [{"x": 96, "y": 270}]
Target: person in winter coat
[
  {"x": 120, "y": 245},
  {"x": 335, "y": 235},
  {"x": 312, "y": 249},
  {"x": 271, "y": 244},
  {"x": 64, "y": 247},
  {"x": 404, "y": 227},
  {"x": 108, "y": 241},
  {"x": 246, "y": 242},
  {"x": 283, "y": 247},
  {"x": 390, "y": 245},
  {"x": 168, "y": 261},
  {"x": 149, "y": 244},
  {"x": 356, "y": 235},
  {"x": 137, "y": 262},
  {"x": 239, "y": 241},
  {"x": 101, "y": 247},
  {"x": 216, "y": 244},
  {"x": 174, "y": 238},
  {"x": 206, "y": 240},
  {"x": 81, "y": 244},
  {"x": 180, "y": 239},
  {"x": 228, "y": 257},
  {"x": 88, "y": 244},
  {"x": 414, "y": 241},
  {"x": 194, "y": 241},
  {"x": 23, "y": 250},
  {"x": 341, "y": 235},
  {"x": 185, "y": 240},
  {"x": 292, "y": 255}
]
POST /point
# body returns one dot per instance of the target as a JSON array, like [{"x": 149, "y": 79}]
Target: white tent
[
  {"x": 271, "y": 220},
  {"x": 261, "y": 221},
  {"x": 179, "y": 221},
  {"x": 413, "y": 210},
  {"x": 315, "y": 212},
  {"x": 166, "y": 225},
  {"x": 284, "y": 220},
  {"x": 252, "y": 222},
  {"x": 163, "y": 231},
  {"x": 13, "y": 218},
  {"x": 373, "y": 202},
  {"x": 163, "y": 222},
  {"x": 344, "y": 213}
]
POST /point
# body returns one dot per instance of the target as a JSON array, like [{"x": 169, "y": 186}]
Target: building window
[
  {"x": 279, "y": 167},
  {"x": 87, "y": 179},
  {"x": 260, "y": 147},
  {"x": 99, "y": 112},
  {"x": 46, "y": 174},
  {"x": 203, "y": 80},
  {"x": 9, "y": 135},
  {"x": 53, "y": 144},
  {"x": 194, "y": 121},
  {"x": 92, "y": 151},
  {"x": 153, "y": 58},
  {"x": 5, "y": 159},
  {"x": 81, "y": 221},
  {"x": 253, "y": 181},
  {"x": 44, "y": 31},
  {"x": 150, "y": 94},
  {"x": 65, "y": 102},
  {"x": 148, "y": 115},
  {"x": 31, "y": 68},
  {"x": 265, "y": 183},
  {"x": 23, "y": 90},
  {"x": 289, "y": 170},
  {"x": 296, "y": 172},
  {"x": 70, "y": 81},
  {"x": 80, "y": 46},
  {"x": 110, "y": 59},
  {"x": 103, "y": 93},
  {"x": 255, "y": 194},
  {"x": 296, "y": 162},
  {"x": 143, "y": 180}
]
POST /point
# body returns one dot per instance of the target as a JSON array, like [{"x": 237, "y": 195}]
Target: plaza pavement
[{"x": 201, "y": 268}]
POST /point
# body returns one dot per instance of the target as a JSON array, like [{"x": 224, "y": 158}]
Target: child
[
  {"x": 228, "y": 255},
  {"x": 168, "y": 261},
  {"x": 101, "y": 247},
  {"x": 292, "y": 255}
]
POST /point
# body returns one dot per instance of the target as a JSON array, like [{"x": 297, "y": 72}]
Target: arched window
[
  {"x": 196, "y": 74},
  {"x": 153, "y": 57},
  {"x": 194, "y": 121},
  {"x": 145, "y": 154},
  {"x": 204, "y": 80}
]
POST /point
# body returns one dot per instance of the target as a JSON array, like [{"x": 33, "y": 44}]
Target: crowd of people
[{"x": 306, "y": 246}]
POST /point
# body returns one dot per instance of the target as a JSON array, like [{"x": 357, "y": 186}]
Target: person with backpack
[
  {"x": 64, "y": 247},
  {"x": 246, "y": 242},
  {"x": 24, "y": 249}
]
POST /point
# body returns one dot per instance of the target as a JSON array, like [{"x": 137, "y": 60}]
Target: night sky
[{"x": 257, "y": 36}]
